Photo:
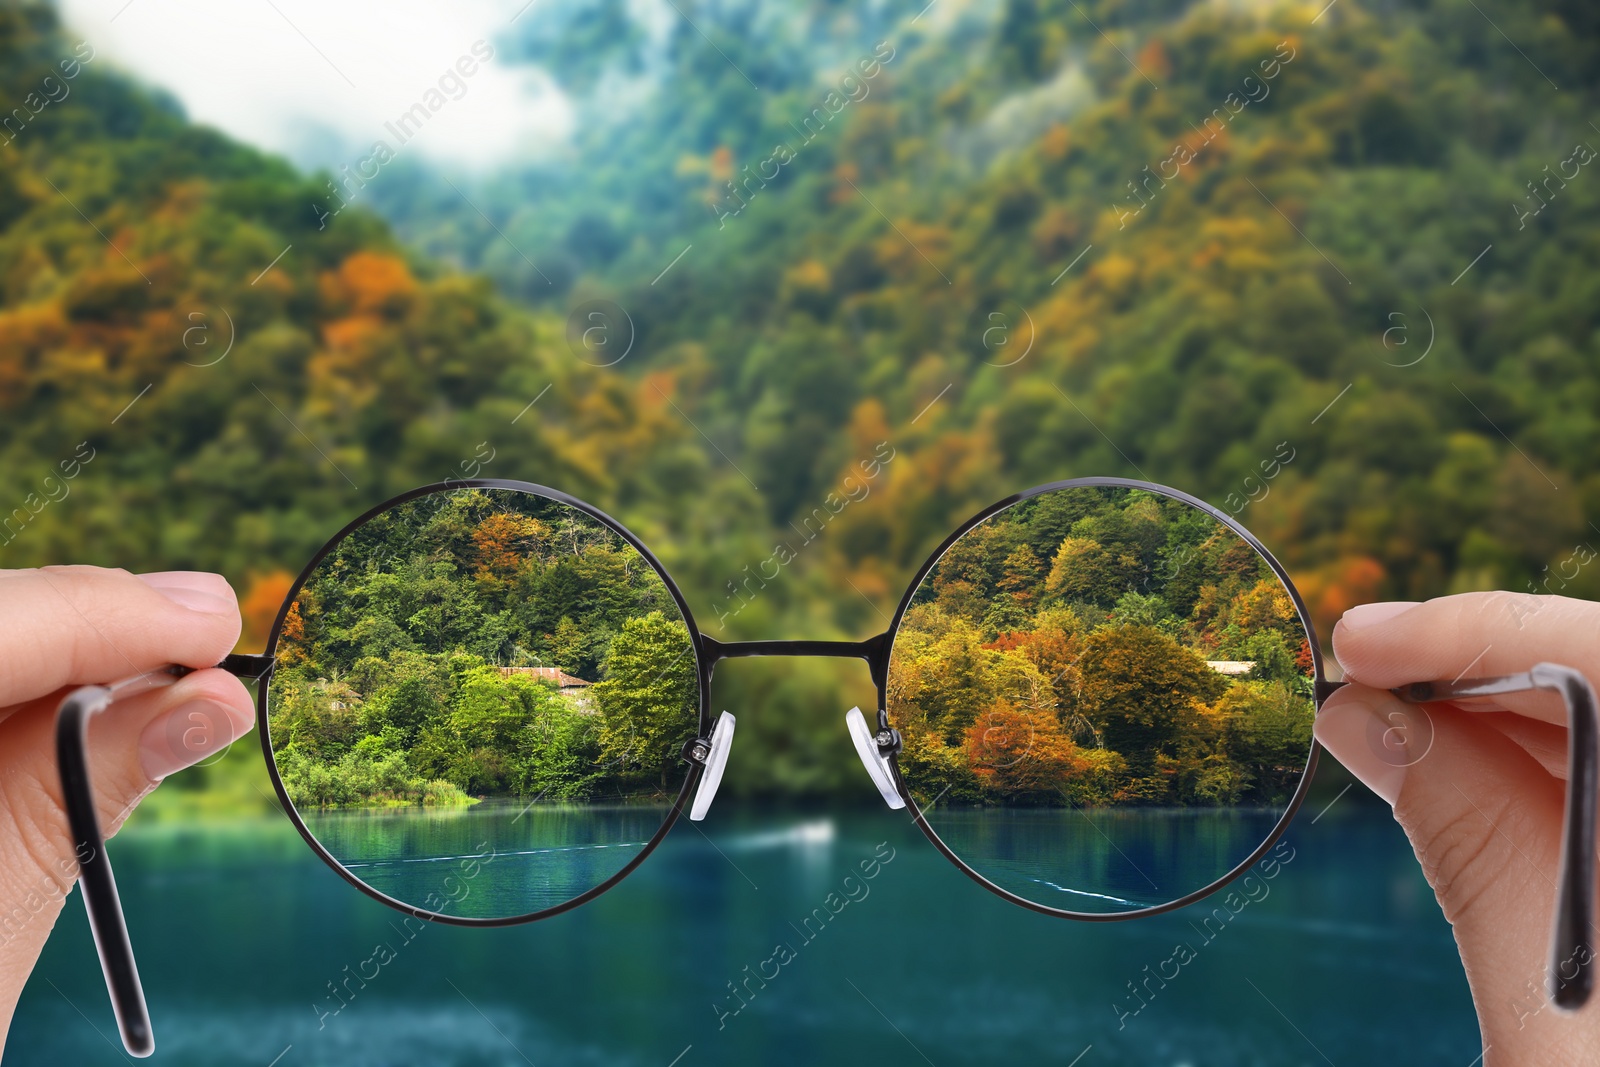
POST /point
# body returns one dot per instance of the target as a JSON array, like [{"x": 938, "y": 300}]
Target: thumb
[{"x": 1484, "y": 818}]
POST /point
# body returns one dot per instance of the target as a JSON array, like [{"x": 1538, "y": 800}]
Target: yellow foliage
[
  {"x": 910, "y": 247},
  {"x": 869, "y": 424},
  {"x": 1116, "y": 274},
  {"x": 809, "y": 277},
  {"x": 1264, "y": 606},
  {"x": 25, "y": 333}
]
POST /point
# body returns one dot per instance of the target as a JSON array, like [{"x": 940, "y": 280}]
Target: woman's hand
[
  {"x": 1478, "y": 786},
  {"x": 62, "y": 627}
]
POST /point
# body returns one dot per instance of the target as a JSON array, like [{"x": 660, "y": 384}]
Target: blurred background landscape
[{"x": 696, "y": 263}]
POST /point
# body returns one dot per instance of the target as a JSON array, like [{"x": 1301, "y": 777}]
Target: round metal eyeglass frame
[{"x": 1572, "y": 967}]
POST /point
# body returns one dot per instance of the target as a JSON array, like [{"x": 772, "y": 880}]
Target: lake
[{"x": 741, "y": 941}]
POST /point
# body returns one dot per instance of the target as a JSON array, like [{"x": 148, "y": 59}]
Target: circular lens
[
  {"x": 1106, "y": 698},
  {"x": 478, "y": 701}
]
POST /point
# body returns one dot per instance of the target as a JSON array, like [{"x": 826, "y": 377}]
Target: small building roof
[
  {"x": 554, "y": 675},
  {"x": 1231, "y": 666}
]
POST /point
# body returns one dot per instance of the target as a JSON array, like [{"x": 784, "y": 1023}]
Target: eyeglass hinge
[
  {"x": 696, "y": 750},
  {"x": 241, "y": 665},
  {"x": 889, "y": 741}
]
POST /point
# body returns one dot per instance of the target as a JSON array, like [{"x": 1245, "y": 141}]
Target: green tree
[
  {"x": 1135, "y": 609},
  {"x": 563, "y": 754},
  {"x": 1274, "y": 660},
  {"x": 649, "y": 700},
  {"x": 1267, "y": 728}
]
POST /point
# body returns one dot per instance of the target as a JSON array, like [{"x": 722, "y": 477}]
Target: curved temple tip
[
  {"x": 1572, "y": 994},
  {"x": 137, "y": 1038},
  {"x": 1573, "y": 959}
]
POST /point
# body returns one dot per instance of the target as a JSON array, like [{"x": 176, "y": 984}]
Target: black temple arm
[
  {"x": 94, "y": 870},
  {"x": 1572, "y": 954}
]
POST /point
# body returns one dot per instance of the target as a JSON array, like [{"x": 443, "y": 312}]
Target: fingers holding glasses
[
  {"x": 1470, "y": 635},
  {"x": 69, "y": 626},
  {"x": 137, "y": 742},
  {"x": 84, "y": 625},
  {"x": 1484, "y": 816},
  {"x": 133, "y": 745},
  {"x": 1485, "y": 820}
]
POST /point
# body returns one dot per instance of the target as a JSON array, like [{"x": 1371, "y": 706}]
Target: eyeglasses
[{"x": 485, "y": 703}]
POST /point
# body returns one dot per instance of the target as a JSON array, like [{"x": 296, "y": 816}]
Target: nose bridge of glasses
[
  {"x": 869, "y": 745},
  {"x": 874, "y": 650},
  {"x": 870, "y": 650}
]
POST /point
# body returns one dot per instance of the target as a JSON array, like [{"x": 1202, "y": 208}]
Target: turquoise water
[
  {"x": 495, "y": 859},
  {"x": 744, "y": 942},
  {"x": 505, "y": 858},
  {"x": 1103, "y": 860}
]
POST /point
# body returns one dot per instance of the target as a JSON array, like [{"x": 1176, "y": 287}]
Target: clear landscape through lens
[
  {"x": 479, "y": 700},
  {"x": 1106, "y": 698}
]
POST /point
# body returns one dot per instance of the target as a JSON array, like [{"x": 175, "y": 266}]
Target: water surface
[
  {"x": 741, "y": 941},
  {"x": 495, "y": 859}
]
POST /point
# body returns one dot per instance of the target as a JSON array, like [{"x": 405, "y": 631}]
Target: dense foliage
[
  {"x": 1410, "y": 184},
  {"x": 1061, "y": 652},
  {"x": 1273, "y": 204},
  {"x": 401, "y": 678}
]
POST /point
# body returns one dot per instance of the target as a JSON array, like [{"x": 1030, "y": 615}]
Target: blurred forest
[
  {"x": 1070, "y": 650},
  {"x": 1024, "y": 248}
]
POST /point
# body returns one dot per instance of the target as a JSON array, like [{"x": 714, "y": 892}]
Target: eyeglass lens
[
  {"x": 1106, "y": 697},
  {"x": 478, "y": 702}
]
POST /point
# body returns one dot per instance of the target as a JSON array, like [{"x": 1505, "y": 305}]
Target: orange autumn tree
[
  {"x": 1021, "y": 751},
  {"x": 503, "y": 541},
  {"x": 259, "y": 607},
  {"x": 1023, "y": 754},
  {"x": 1052, "y": 645},
  {"x": 370, "y": 283},
  {"x": 291, "y": 642}
]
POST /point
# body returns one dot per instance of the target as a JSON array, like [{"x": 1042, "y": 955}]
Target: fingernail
[
  {"x": 1377, "y": 742},
  {"x": 195, "y": 590},
  {"x": 186, "y": 735},
  {"x": 1363, "y": 615}
]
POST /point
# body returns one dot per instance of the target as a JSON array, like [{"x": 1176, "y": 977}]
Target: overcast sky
[{"x": 317, "y": 79}]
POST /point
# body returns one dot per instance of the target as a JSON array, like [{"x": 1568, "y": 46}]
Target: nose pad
[
  {"x": 716, "y": 760},
  {"x": 877, "y": 767}
]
